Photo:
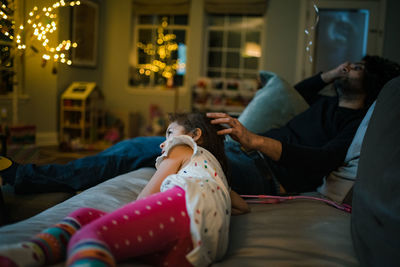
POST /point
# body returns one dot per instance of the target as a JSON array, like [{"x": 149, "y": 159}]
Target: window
[
  {"x": 234, "y": 46},
  {"x": 159, "y": 51}
]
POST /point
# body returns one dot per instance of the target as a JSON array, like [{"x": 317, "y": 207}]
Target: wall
[
  {"x": 44, "y": 88},
  {"x": 281, "y": 38},
  {"x": 41, "y": 86},
  {"x": 391, "y": 44}
]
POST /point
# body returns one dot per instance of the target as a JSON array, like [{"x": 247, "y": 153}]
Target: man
[{"x": 295, "y": 157}]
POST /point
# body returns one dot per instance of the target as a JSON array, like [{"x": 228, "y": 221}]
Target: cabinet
[
  {"x": 223, "y": 95},
  {"x": 82, "y": 115}
]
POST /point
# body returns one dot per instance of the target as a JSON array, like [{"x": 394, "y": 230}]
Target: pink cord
[{"x": 267, "y": 199}]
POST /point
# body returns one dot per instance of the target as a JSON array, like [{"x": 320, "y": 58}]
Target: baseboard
[{"x": 46, "y": 138}]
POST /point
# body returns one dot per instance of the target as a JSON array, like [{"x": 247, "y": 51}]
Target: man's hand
[
  {"x": 251, "y": 141},
  {"x": 338, "y": 72},
  {"x": 235, "y": 129}
]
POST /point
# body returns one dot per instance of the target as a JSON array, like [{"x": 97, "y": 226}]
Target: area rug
[{"x": 23, "y": 153}]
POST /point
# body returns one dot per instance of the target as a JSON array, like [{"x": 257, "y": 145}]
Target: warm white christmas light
[{"x": 38, "y": 27}]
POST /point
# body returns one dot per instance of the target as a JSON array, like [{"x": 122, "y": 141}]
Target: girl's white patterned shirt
[{"x": 208, "y": 201}]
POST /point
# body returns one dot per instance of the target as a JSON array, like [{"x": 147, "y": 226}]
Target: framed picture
[{"x": 85, "y": 23}]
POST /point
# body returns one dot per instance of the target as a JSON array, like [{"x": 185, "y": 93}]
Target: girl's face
[{"x": 174, "y": 129}]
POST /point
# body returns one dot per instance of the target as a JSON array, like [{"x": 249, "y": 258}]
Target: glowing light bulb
[{"x": 69, "y": 62}]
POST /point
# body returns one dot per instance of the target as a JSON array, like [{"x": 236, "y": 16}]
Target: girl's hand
[
  {"x": 177, "y": 157},
  {"x": 239, "y": 206}
]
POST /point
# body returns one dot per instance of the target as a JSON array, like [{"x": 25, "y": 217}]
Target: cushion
[
  {"x": 376, "y": 198},
  {"x": 273, "y": 105},
  {"x": 339, "y": 182}
]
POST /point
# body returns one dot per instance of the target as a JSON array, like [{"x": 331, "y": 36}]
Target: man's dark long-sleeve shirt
[{"x": 314, "y": 142}]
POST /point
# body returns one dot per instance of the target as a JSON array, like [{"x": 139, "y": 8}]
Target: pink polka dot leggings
[{"x": 156, "y": 229}]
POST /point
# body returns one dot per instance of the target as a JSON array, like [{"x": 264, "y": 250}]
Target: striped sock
[
  {"x": 47, "y": 247},
  {"x": 90, "y": 252},
  {"x": 54, "y": 240}
]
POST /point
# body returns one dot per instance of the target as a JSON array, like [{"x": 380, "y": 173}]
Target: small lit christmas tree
[{"x": 161, "y": 52}]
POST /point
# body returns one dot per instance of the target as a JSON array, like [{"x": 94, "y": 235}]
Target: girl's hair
[{"x": 209, "y": 139}]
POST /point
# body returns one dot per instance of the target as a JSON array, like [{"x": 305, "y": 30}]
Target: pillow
[
  {"x": 339, "y": 182},
  {"x": 273, "y": 105}
]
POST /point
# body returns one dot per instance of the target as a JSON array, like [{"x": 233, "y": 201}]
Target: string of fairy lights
[
  {"x": 163, "y": 50},
  {"x": 36, "y": 31}
]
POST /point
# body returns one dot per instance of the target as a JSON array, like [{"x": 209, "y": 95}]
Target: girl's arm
[{"x": 177, "y": 157}]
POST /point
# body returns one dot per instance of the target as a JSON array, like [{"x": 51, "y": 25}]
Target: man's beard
[{"x": 346, "y": 90}]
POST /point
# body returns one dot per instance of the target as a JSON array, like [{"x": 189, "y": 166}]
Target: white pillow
[{"x": 339, "y": 182}]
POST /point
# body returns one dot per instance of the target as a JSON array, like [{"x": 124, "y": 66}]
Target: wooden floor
[
  {"x": 52, "y": 154},
  {"x": 46, "y": 154}
]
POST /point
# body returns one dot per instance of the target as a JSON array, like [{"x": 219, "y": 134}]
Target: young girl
[{"x": 181, "y": 217}]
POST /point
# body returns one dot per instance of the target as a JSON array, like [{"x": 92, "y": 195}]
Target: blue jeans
[{"x": 123, "y": 157}]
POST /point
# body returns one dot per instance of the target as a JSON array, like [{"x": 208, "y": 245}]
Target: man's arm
[
  {"x": 176, "y": 158},
  {"x": 310, "y": 87}
]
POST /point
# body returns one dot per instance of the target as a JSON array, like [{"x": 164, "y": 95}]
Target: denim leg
[
  {"x": 246, "y": 175},
  {"x": 125, "y": 156}
]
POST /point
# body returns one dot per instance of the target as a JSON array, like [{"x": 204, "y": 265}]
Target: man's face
[{"x": 351, "y": 83}]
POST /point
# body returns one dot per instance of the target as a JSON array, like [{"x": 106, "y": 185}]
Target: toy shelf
[{"x": 82, "y": 115}]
